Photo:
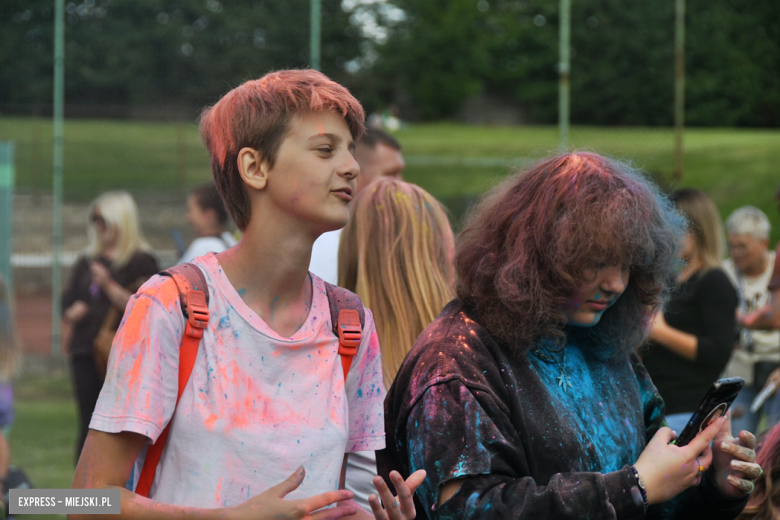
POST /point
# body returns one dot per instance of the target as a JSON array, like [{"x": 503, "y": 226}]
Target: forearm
[
  {"x": 567, "y": 496},
  {"x": 135, "y": 507},
  {"x": 767, "y": 317},
  {"x": 116, "y": 294},
  {"x": 681, "y": 343}
]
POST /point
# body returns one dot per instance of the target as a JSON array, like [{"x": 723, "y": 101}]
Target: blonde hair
[
  {"x": 10, "y": 343},
  {"x": 704, "y": 226},
  {"x": 118, "y": 209},
  {"x": 396, "y": 253}
]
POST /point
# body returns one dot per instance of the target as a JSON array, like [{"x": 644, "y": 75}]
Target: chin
[
  {"x": 586, "y": 322},
  {"x": 335, "y": 223}
]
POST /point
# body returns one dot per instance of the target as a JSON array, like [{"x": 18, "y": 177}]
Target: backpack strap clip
[
  {"x": 350, "y": 332},
  {"x": 348, "y": 317},
  {"x": 197, "y": 313}
]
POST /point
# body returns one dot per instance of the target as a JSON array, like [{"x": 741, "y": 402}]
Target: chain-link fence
[{"x": 159, "y": 161}]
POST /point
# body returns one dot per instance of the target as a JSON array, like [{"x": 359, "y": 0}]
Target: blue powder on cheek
[{"x": 598, "y": 296}]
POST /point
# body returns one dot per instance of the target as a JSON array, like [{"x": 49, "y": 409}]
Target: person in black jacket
[
  {"x": 116, "y": 262},
  {"x": 693, "y": 339},
  {"x": 524, "y": 398}
]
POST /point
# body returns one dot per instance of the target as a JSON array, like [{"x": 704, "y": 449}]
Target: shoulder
[
  {"x": 146, "y": 259},
  {"x": 453, "y": 347},
  {"x": 202, "y": 246},
  {"x": 716, "y": 280},
  {"x": 161, "y": 290},
  {"x": 730, "y": 270},
  {"x": 205, "y": 244},
  {"x": 83, "y": 262}
]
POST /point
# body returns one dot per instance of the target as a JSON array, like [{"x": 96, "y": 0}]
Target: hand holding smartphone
[{"x": 715, "y": 404}]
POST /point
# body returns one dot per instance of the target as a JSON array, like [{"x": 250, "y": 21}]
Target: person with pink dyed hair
[{"x": 267, "y": 393}]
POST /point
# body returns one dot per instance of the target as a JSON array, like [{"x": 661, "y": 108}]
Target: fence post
[
  {"x": 679, "y": 86},
  {"x": 314, "y": 34},
  {"x": 59, "y": 101},
  {"x": 7, "y": 181},
  {"x": 564, "y": 32}
]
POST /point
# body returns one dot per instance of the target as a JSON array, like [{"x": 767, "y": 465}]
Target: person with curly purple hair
[{"x": 525, "y": 399}]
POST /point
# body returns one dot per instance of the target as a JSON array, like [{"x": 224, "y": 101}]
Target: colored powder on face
[{"x": 242, "y": 292}]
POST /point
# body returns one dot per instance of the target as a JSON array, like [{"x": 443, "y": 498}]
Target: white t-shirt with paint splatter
[{"x": 256, "y": 406}]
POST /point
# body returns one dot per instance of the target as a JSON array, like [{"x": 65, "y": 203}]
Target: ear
[{"x": 253, "y": 168}]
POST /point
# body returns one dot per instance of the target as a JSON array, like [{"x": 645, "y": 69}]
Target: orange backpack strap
[
  {"x": 348, "y": 317},
  {"x": 194, "y": 296}
]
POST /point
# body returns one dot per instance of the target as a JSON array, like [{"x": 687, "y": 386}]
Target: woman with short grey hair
[{"x": 750, "y": 269}]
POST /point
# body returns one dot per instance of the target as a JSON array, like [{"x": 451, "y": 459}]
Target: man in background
[
  {"x": 379, "y": 155},
  {"x": 207, "y": 215}
]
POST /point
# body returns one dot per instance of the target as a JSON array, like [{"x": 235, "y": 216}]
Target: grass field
[
  {"x": 454, "y": 162},
  {"x": 43, "y": 436}
]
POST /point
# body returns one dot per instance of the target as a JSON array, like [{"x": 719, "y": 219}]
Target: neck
[
  {"x": 691, "y": 268},
  {"x": 108, "y": 252},
  {"x": 759, "y": 267},
  {"x": 269, "y": 269}
]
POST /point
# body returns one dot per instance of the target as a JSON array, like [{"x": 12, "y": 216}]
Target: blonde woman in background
[
  {"x": 692, "y": 340},
  {"x": 115, "y": 263},
  {"x": 396, "y": 254}
]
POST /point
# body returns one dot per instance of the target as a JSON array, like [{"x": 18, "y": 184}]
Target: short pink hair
[{"x": 257, "y": 115}]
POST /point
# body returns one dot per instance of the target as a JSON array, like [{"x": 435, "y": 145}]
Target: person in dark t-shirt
[
  {"x": 524, "y": 399},
  {"x": 692, "y": 340},
  {"x": 116, "y": 262}
]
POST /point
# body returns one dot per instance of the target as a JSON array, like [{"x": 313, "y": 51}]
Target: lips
[
  {"x": 343, "y": 193},
  {"x": 598, "y": 306}
]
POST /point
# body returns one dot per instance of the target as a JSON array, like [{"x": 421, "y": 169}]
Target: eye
[{"x": 326, "y": 149}]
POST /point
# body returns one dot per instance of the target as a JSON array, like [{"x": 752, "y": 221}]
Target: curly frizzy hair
[
  {"x": 533, "y": 240},
  {"x": 765, "y": 499}
]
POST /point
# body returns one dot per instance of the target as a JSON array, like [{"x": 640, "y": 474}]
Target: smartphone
[{"x": 715, "y": 404}]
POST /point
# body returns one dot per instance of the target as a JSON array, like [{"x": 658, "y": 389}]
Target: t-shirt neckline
[{"x": 222, "y": 283}]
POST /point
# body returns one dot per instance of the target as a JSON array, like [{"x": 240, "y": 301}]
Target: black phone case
[{"x": 715, "y": 404}]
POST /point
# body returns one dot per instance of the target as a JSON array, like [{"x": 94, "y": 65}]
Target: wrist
[{"x": 641, "y": 485}]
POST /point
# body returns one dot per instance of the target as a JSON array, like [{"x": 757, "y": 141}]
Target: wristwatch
[{"x": 641, "y": 484}]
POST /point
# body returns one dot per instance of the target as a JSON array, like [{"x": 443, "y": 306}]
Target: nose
[
  {"x": 614, "y": 279},
  {"x": 350, "y": 168}
]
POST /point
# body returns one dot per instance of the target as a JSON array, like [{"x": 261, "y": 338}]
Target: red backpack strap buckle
[
  {"x": 197, "y": 313},
  {"x": 350, "y": 332},
  {"x": 348, "y": 317}
]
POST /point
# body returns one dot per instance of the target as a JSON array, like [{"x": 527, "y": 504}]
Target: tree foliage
[
  {"x": 427, "y": 63},
  {"x": 153, "y": 52},
  {"x": 622, "y": 59}
]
